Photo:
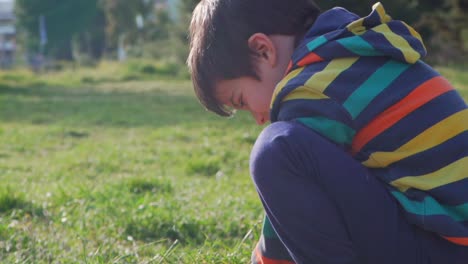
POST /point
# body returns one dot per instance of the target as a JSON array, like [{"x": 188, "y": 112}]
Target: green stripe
[
  {"x": 331, "y": 129},
  {"x": 430, "y": 207},
  {"x": 268, "y": 230},
  {"x": 316, "y": 43},
  {"x": 373, "y": 86},
  {"x": 359, "y": 46}
]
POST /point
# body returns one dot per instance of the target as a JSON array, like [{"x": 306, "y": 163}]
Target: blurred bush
[{"x": 87, "y": 31}]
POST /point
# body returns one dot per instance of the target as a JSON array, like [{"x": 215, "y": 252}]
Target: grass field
[{"x": 95, "y": 169}]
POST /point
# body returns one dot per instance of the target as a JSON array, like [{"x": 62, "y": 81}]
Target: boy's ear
[{"x": 264, "y": 47}]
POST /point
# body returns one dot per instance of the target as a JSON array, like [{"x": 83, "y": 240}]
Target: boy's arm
[
  {"x": 317, "y": 111},
  {"x": 270, "y": 249}
]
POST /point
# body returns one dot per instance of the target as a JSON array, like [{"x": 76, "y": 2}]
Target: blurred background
[
  {"x": 51, "y": 34},
  {"x": 105, "y": 154}
]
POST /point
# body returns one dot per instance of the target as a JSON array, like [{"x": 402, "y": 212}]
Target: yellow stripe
[
  {"x": 381, "y": 11},
  {"x": 283, "y": 82},
  {"x": 451, "y": 173},
  {"x": 399, "y": 42},
  {"x": 356, "y": 27},
  {"x": 305, "y": 92},
  {"x": 321, "y": 80},
  {"x": 431, "y": 137},
  {"x": 414, "y": 33}
]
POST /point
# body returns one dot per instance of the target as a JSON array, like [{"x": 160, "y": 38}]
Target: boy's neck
[{"x": 285, "y": 46}]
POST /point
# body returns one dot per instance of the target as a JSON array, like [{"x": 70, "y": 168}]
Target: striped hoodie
[{"x": 360, "y": 83}]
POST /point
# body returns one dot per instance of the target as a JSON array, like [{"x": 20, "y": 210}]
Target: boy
[{"x": 341, "y": 92}]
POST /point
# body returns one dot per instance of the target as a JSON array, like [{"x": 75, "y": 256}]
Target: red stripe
[
  {"x": 418, "y": 97},
  {"x": 309, "y": 59},
  {"x": 260, "y": 259},
  {"x": 458, "y": 240}
]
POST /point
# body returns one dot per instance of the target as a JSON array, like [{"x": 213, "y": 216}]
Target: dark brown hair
[{"x": 219, "y": 33}]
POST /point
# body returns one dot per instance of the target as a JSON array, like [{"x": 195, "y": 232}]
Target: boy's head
[{"x": 240, "y": 49}]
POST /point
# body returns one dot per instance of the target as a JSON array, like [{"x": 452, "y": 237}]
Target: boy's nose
[{"x": 260, "y": 118}]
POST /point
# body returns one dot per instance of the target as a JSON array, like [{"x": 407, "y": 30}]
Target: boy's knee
[
  {"x": 288, "y": 151},
  {"x": 266, "y": 154},
  {"x": 277, "y": 154}
]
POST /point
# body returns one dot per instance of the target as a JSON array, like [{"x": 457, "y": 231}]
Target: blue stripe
[
  {"x": 331, "y": 129},
  {"x": 412, "y": 78},
  {"x": 400, "y": 29},
  {"x": 299, "y": 54},
  {"x": 352, "y": 78},
  {"x": 429, "y": 206},
  {"x": 378, "y": 82},
  {"x": 415, "y": 123},
  {"x": 359, "y": 46},
  {"x": 304, "y": 76},
  {"x": 333, "y": 50},
  {"x": 316, "y": 43},
  {"x": 268, "y": 230},
  {"x": 446, "y": 152},
  {"x": 273, "y": 249},
  {"x": 372, "y": 20},
  {"x": 380, "y": 42},
  {"x": 441, "y": 224},
  {"x": 328, "y": 108},
  {"x": 452, "y": 194},
  {"x": 292, "y": 84}
]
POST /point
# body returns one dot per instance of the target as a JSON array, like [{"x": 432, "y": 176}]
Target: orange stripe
[
  {"x": 309, "y": 59},
  {"x": 264, "y": 260},
  {"x": 458, "y": 240},
  {"x": 418, "y": 97}
]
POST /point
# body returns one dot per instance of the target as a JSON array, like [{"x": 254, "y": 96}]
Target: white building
[{"x": 7, "y": 33}]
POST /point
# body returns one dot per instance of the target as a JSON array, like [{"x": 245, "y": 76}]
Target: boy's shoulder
[
  {"x": 281, "y": 146},
  {"x": 283, "y": 138},
  {"x": 281, "y": 131}
]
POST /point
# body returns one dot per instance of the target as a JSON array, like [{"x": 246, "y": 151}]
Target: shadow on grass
[
  {"x": 146, "y": 105},
  {"x": 10, "y": 201}
]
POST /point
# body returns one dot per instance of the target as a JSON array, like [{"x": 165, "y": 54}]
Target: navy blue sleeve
[
  {"x": 325, "y": 206},
  {"x": 282, "y": 164}
]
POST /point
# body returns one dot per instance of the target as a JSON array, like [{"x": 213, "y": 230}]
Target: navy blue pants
[{"x": 327, "y": 208}]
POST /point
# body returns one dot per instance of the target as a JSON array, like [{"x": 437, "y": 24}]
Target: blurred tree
[
  {"x": 121, "y": 19},
  {"x": 442, "y": 23},
  {"x": 409, "y": 11},
  {"x": 63, "y": 20},
  {"x": 180, "y": 29},
  {"x": 158, "y": 25},
  {"x": 447, "y": 28},
  {"x": 94, "y": 27},
  {"x": 92, "y": 41},
  {"x": 187, "y": 6},
  {"x": 165, "y": 33}
]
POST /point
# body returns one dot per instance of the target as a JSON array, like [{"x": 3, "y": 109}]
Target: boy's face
[{"x": 247, "y": 93}]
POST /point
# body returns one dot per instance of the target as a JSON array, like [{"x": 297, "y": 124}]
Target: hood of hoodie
[{"x": 338, "y": 33}]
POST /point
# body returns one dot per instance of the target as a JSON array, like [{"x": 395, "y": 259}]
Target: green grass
[
  {"x": 96, "y": 170},
  {"x": 121, "y": 172},
  {"x": 458, "y": 77}
]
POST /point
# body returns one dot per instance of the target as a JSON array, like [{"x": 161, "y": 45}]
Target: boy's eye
[
  {"x": 238, "y": 102},
  {"x": 241, "y": 103}
]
